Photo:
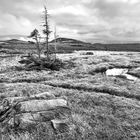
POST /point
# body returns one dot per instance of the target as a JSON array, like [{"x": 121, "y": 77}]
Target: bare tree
[
  {"x": 39, "y": 62},
  {"x": 46, "y": 30}
]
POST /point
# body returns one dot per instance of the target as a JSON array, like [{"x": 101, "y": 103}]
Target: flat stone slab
[
  {"x": 42, "y": 105},
  {"x": 22, "y": 111}
]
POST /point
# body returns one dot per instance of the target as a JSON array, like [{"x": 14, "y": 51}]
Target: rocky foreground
[{"x": 80, "y": 101}]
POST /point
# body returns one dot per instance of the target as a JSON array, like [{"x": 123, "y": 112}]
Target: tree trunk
[
  {"x": 47, "y": 47},
  {"x": 38, "y": 47}
]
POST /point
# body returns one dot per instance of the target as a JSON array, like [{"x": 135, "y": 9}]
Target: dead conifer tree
[
  {"x": 46, "y": 31},
  {"x": 49, "y": 62}
]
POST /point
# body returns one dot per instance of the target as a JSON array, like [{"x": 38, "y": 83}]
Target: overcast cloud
[{"x": 89, "y": 20}]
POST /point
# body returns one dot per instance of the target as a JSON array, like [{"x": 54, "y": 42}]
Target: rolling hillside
[
  {"x": 67, "y": 45},
  {"x": 72, "y": 44}
]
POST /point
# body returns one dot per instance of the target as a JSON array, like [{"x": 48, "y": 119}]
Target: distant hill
[
  {"x": 66, "y": 45},
  {"x": 66, "y": 40},
  {"x": 12, "y": 41},
  {"x": 72, "y": 44},
  {"x": 15, "y": 41},
  {"x": 69, "y": 45}
]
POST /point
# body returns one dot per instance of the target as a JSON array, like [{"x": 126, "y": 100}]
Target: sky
[{"x": 86, "y": 20}]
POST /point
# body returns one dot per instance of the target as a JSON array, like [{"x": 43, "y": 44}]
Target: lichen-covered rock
[
  {"x": 42, "y": 105},
  {"x": 21, "y": 112},
  {"x": 44, "y": 116}
]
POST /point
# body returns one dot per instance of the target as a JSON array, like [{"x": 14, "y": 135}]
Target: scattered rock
[
  {"x": 60, "y": 125},
  {"x": 21, "y": 112},
  {"x": 44, "y": 116}
]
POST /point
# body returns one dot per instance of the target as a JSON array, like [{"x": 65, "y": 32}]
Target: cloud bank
[{"x": 89, "y": 20}]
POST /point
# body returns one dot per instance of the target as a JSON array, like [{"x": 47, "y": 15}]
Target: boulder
[
  {"x": 32, "y": 112},
  {"x": 42, "y": 105},
  {"x": 44, "y": 116}
]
